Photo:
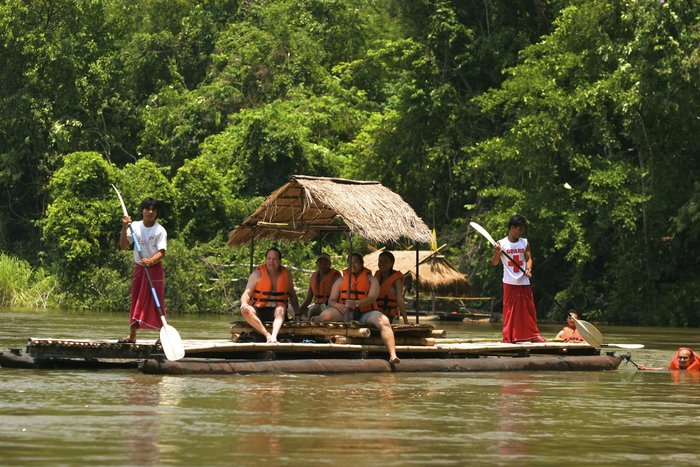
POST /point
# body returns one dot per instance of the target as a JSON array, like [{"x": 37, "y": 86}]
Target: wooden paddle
[
  {"x": 169, "y": 337},
  {"x": 589, "y": 332}
]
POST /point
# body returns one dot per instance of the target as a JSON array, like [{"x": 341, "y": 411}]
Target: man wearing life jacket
[
  {"x": 320, "y": 286},
  {"x": 390, "y": 298},
  {"x": 265, "y": 297},
  {"x": 569, "y": 333},
  {"x": 353, "y": 298},
  {"x": 683, "y": 359},
  {"x": 519, "y": 314}
]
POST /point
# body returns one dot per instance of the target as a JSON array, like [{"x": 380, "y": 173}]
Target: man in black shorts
[{"x": 265, "y": 297}]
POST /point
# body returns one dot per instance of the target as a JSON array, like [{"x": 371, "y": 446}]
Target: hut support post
[
  {"x": 252, "y": 249},
  {"x": 415, "y": 284},
  {"x": 349, "y": 262}
]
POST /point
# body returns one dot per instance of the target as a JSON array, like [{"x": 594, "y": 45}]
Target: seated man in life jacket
[
  {"x": 353, "y": 299},
  {"x": 683, "y": 359},
  {"x": 569, "y": 333},
  {"x": 266, "y": 294},
  {"x": 320, "y": 286},
  {"x": 390, "y": 299}
]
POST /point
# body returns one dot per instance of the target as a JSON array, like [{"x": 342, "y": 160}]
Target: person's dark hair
[
  {"x": 279, "y": 253},
  {"x": 517, "y": 221},
  {"x": 389, "y": 255},
  {"x": 150, "y": 203},
  {"x": 358, "y": 256}
]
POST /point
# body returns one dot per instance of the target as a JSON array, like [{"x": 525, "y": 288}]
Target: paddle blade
[
  {"x": 483, "y": 232},
  {"x": 590, "y": 334},
  {"x": 121, "y": 200},
  {"x": 625, "y": 346},
  {"x": 171, "y": 342}
]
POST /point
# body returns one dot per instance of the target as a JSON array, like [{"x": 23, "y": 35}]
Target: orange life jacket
[
  {"x": 360, "y": 288},
  {"x": 386, "y": 300},
  {"x": 264, "y": 296},
  {"x": 571, "y": 335},
  {"x": 693, "y": 366},
  {"x": 322, "y": 288}
]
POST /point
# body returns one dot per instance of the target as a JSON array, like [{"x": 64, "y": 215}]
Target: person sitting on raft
[
  {"x": 358, "y": 303},
  {"x": 320, "y": 286},
  {"x": 390, "y": 299},
  {"x": 569, "y": 333},
  {"x": 266, "y": 294},
  {"x": 683, "y": 359}
]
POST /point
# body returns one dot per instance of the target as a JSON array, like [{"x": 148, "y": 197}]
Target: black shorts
[{"x": 266, "y": 314}]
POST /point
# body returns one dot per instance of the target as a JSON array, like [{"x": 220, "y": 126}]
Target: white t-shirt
[
  {"x": 152, "y": 239},
  {"x": 516, "y": 250}
]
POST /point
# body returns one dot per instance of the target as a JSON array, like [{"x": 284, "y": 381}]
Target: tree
[{"x": 589, "y": 107}]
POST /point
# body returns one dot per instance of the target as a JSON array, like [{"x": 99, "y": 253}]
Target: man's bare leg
[
  {"x": 280, "y": 312},
  {"x": 251, "y": 318},
  {"x": 382, "y": 323}
]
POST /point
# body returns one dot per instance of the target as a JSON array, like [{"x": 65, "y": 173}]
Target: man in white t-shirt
[
  {"x": 153, "y": 240},
  {"x": 519, "y": 314}
]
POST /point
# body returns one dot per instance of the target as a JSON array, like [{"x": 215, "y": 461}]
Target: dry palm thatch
[
  {"x": 305, "y": 206},
  {"x": 436, "y": 274}
]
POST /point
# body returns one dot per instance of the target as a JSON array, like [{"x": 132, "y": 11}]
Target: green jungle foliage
[{"x": 579, "y": 114}]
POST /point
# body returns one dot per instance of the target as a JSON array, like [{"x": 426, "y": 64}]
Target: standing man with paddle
[
  {"x": 519, "y": 314},
  {"x": 152, "y": 240}
]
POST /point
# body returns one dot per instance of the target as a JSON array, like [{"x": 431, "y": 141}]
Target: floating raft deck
[{"x": 313, "y": 348}]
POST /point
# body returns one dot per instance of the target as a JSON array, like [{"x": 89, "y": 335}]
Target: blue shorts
[{"x": 364, "y": 317}]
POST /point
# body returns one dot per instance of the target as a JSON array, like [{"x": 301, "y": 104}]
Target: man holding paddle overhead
[
  {"x": 152, "y": 239},
  {"x": 519, "y": 314}
]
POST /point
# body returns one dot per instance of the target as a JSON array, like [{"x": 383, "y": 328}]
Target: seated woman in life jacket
[
  {"x": 683, "y": 359},
  {"x": 320, "y": 285},
  {"x": 390, "y": 299},
  {"x": 569, "y": 333},
  {"x": 353, "y": 299}
]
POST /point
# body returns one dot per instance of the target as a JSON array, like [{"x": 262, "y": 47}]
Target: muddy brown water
[{"x": 123, "y": 417}]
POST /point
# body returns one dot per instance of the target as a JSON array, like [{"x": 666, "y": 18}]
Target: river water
[{"x": 122, "y": 417}]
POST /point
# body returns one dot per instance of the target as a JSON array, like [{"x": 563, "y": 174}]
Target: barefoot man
[
  {"x": 358, "y": 303},
  {"x": 266, "y": 294}
]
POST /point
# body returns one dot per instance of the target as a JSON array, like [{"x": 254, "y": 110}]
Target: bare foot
[
  {"x": 271, "y": 340},
  {"x": 394, "y": 359}
]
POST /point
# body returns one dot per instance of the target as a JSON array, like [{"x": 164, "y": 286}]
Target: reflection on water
[
  {"x": 512, "y": 408},
  {"x": 143, "y": 396},
  {"x": 127, "y": 418}
]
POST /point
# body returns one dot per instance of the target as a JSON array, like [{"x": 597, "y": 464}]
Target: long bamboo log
[
  {"x": 211, "y": 366},
  {"x": 310, "y": 331},
  {"x": 378, "y": 340}
]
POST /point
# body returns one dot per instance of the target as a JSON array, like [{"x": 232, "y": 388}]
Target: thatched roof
[
  {"x": 436, "y": 274},
  {"x": 305, "y": 206}
]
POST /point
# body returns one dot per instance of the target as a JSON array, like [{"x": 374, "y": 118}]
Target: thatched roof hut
[
  {"x": 435, "y": 275},
  {"x": 306, "y": 206}
]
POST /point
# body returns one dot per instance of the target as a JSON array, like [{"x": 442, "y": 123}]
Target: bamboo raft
[{"x": 314, "y": 348}]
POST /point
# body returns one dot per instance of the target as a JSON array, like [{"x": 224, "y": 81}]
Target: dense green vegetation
[{"x": 580, "y": 115}]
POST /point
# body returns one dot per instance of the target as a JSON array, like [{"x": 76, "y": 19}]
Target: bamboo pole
[
  {"x": 378, "y": 341},
  {"x": 309, "y": 331}
]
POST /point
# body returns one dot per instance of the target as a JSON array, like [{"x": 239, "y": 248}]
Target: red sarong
[
  {"x": 143, "y": 307},
  {"x": 519, "y": 315}
]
